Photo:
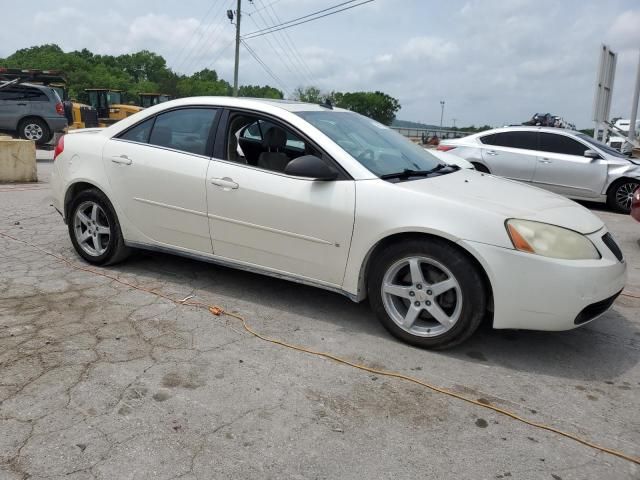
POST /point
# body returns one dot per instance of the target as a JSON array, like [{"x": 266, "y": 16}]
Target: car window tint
[
  {"x": 524, "y": 140},
  {"x": 139, "y": 133},
  {"x": 186, "y": 129},
  {"x": 23, "y": 94},
  {"x": 553, "y": 143}
]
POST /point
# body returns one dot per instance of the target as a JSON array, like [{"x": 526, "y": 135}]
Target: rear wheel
[
  {"x": 34, "y": 129},
  {"x": 427, "y": 293},
  {"x": 94, "y": 229},
  {"x": 621, "y": 194}
]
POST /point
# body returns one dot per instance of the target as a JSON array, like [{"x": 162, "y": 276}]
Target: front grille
[
  {"x": 613, "y": 246},
  {"x": 592, "y": 311}
]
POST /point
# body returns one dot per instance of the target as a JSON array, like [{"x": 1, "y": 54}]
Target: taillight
[
  {"x": 59, "y": 108},
  {"x": 59, "y": 147},
  {"x": 445, "y": 148}
]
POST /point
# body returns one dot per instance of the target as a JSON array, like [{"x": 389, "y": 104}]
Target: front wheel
[
  {"x": 94, "y": 229},
  {"x": 620, "y": 195},
  {"x": 427, "y": 293}
]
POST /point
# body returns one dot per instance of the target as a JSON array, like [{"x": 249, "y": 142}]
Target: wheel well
[
  {"x": 29, "y": 117},
  {"x": 619, "y": 181},
  {"x": 74, "y": 190},
  {"x": 403, "y": 237}
]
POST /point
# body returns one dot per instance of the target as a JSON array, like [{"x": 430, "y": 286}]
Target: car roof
[
  {"x": 528, "y": 128},
  {"x": 30, "y": 85},
  {"x": 250, "y": 102}
]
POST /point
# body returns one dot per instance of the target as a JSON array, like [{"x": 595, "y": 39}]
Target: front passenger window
[{"x": 186, "y": 129}]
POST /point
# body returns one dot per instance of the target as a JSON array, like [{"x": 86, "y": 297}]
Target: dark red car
[{"x": 635, "y": 205}]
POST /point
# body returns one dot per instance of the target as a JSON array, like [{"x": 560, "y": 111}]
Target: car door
[
  {"x": 14, "y": 105},
  {"x": 562, "y": 167},
  {"x": 265, "y": 218},
  {"x": 157, "y": 171},
  {"x": 511, "y": 154}
]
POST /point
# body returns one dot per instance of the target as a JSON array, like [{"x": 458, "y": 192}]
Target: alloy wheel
[
  {"x": 624, "y": 195},
  {"x": 91, "y": 228},
  {"x": 33, "y": 131},
  {"x": 422, "y": 296}
]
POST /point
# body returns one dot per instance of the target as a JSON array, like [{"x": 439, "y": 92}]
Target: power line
[
  {"x": 249, "y": 36},
  {"x": 266, "y": 68},
  {"x": 284, "y": 59},
  {"x": 296, "y": 54},
  {"x": 202, "y": 45},
  {"x": 303, "y": 17},
  {"x": 184, "y": 46}
]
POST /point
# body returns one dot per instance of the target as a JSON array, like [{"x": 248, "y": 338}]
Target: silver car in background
[{"x": 566, "y": 162}]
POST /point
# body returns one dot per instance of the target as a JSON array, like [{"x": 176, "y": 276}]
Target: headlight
[{"x": 550, "y": 241}]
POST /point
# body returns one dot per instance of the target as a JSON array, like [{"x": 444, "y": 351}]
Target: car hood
[{"x": 506, "y": 198}]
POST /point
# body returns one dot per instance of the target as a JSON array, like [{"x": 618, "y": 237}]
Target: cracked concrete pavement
[{"x": 100, "y": 381}]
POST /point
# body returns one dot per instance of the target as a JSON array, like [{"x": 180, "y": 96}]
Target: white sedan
[{"x": 330, "y": 198}]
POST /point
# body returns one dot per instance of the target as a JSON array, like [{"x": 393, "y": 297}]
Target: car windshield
[
  {"x": 380, "y": 149},
  {"x": 606, "y": 148}
]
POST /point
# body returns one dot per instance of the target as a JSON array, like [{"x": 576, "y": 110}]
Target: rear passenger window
[
  {"x": 524, "y": 140},
  {"x": 552, "y": 143},
  {"x": 186, "y": 130},
  {"x": 23, "y": 94},
  {"x": 139, "y": 133}
]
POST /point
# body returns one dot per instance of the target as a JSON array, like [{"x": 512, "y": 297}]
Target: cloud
[{"x": 492, "y": 61}]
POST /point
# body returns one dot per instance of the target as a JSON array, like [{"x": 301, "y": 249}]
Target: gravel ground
[{"x": 102, "y": 381}]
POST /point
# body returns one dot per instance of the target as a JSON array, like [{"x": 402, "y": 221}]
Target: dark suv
[{"x": 34, "y": 112}]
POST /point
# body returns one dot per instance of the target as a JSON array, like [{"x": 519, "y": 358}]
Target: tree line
[{"x": 145, "y": 71}]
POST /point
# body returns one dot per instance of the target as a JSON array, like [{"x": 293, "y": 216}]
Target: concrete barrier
[{"x": 17, "y": 160}]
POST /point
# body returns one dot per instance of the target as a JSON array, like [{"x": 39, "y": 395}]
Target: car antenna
[{"x": 326, "y": 104}]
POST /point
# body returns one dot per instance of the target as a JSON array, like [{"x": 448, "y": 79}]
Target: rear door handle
[
  {"x": 22, "y": 104},
  {"x": 226, "y": 183},
  {"x": 491, "y": 152},
  {"x": 545, "y": 160},
  {"x": 122, "y": 159}
]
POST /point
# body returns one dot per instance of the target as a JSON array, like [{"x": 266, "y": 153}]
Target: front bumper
[{"x": 532, "y": 292}]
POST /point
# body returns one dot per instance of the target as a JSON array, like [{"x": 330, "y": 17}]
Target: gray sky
[{"x": 492, "y": 61}]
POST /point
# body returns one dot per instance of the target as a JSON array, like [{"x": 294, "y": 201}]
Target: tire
[
  {"x": 480, "y": 167},
  {"x": 34, "y": 129},
  {"x": 94, "y": 229},
  {"x": 620, "y": 195},
  {"x": 460, "y": 305}
]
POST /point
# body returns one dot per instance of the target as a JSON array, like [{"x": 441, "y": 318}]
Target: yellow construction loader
[
  {"x": 151, "y": 99},
  {"x": 109, "y": 105}
]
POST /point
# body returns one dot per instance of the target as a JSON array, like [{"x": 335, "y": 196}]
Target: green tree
[
  {"x": 376, "y": 105},
  {"x": 257, "y": 91},
  {"x": 309, "y": 94}
]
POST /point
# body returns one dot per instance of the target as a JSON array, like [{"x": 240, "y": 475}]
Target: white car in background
[
  {"x": 330, "y": 198},
  {"x": 566, "y": 162}
]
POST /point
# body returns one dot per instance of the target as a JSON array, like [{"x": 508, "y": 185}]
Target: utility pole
[
  {"x": 235, "y": 69},
  {"x": 454, "y": 122},
  {"x": 441, "y": 112}
]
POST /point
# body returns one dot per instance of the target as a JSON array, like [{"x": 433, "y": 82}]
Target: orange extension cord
[{"x": 218, "y": 311}]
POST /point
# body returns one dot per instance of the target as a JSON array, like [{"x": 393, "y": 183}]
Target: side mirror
[
  {"x": 310, "y": 166},
  {"x": 592, "y": 154}
]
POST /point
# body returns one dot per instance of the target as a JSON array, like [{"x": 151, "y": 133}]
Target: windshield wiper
[{"x": 408, "y": 172}]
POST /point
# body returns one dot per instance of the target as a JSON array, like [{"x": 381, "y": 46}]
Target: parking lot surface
[{"x": 99, "y": 380}]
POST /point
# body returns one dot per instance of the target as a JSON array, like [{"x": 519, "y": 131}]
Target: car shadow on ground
[{"x": 600, "y": 351}]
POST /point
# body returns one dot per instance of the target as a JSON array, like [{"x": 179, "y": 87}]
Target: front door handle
[
  {"x": 492, "y": 152},
  {"x": 545, "y": 160},
  {"x": 22, "y": 104},
  {"x": 226, "y": 183},
  {"x": 122, "y": 159}
]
